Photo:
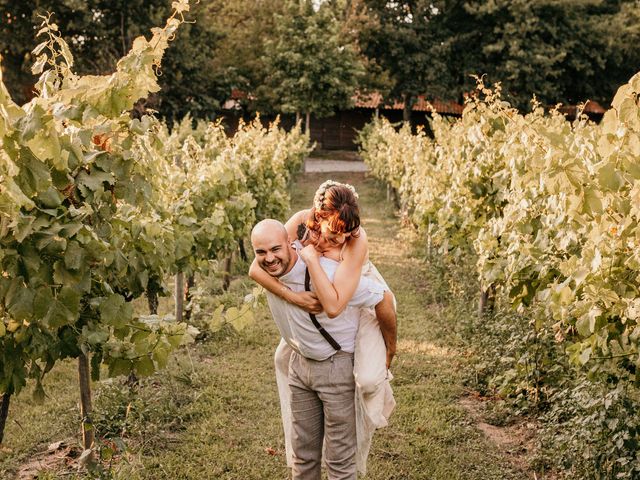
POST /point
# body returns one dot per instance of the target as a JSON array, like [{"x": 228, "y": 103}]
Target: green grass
[{"x": 214, "y": 412}]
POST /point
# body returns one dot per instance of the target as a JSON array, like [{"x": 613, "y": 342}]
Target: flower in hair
[{"x": 318, "y": 199}]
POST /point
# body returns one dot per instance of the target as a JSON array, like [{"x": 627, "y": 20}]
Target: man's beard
[{"x": 278, "y": 267}]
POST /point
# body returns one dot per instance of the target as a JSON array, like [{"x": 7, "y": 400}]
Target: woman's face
[{"x": 328, "y": 238}]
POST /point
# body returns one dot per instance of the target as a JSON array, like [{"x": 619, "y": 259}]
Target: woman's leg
[
  {"x": 370, "y": 368},
  {"x": 374, "y": 398},
  {"x": 386, "y": 315}
]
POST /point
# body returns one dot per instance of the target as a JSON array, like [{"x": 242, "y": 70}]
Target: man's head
[{"x": 270, "y": 242}]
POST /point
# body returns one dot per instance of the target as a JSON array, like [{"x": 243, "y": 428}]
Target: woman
[{"x": 332, "y": 228}]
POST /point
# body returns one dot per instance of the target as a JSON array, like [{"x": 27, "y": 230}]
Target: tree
[
  {"x": 308, "y": 67},
  {"x": 568, "y": 51},
  {"x": 102, "y": 31},
  {"x": 69, "y": 176},
  {"x": 405, "y": 39},
  {"x": 559, "y": 51},
  {"x": 245, "y": 27}
]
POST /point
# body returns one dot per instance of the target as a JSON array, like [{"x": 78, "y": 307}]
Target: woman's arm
[
  {"x": 335, "y": 296},
  {"x": 295, "y": 220},
  {"x": 308, "y": 301}
]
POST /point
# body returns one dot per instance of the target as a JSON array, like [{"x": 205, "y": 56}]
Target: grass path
[{"x": 214, "y": 413}]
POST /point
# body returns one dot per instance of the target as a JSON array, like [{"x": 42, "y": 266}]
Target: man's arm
[{"x": 308, "y": 301}]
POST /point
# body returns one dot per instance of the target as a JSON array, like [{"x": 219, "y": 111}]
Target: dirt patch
[
  {"x": 59, "y": 455},
  {"x": 515, "y": 440}
]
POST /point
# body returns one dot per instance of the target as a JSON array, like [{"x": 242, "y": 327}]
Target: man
[{"x": 321, "y": 379}]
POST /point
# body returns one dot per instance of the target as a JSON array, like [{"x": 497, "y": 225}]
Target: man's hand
[
  {"x": 309, "y": 254},
  {"x": 308, "y": 301}
]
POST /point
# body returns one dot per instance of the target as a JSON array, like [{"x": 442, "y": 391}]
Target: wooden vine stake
[
  {"x": 487, "y": 301},
  {"x": 179, "y": 296},
  {"x": 226, "y": 274},
  {"x": 152, "y": 299},
  {"x": 191, "y": 283},
  {"x": 4, "y": 413},
  {"x": 84, "y": 378}
]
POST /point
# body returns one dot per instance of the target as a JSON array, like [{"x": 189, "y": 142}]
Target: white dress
[{"x": 373, "y": 396}]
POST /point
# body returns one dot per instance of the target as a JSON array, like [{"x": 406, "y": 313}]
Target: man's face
[{"x": 273, "y": 255}]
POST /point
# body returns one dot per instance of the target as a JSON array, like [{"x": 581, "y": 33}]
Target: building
[{"x": 340, "y": 131}]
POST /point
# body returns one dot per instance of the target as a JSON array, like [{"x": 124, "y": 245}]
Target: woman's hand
[
  {"x": 309, "y": 254},
  {"x": 307, "y": 301}
]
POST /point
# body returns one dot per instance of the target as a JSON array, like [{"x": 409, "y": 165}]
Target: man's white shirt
[{"x": 295, "y": 325}]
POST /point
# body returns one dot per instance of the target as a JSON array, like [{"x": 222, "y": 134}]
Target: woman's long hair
[{"x": 338, "y": 204}]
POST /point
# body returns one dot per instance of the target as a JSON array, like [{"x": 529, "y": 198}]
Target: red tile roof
[
  {"x": 374, "y": 100},
  {"x": 591, "y": 107}
]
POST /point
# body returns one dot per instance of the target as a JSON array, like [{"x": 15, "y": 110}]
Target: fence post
[
  {"x": 88, "y": 435},
  {"x": 4, "y": 413},
  {"x": 179, "y": 296}
]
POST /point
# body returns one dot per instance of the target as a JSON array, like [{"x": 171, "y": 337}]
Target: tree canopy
[
  {"x": 101, "y": 31},
  {"x": 306, "y": 55},
  {"x": 308, "y": 67}
]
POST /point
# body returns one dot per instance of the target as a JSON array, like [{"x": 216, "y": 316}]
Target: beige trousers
[
  {"x": 374, "y": 400},
  {"x": 323, "y": 411}
]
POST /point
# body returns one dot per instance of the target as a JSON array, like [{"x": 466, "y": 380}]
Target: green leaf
[
  {"x": 97, "y": 337},
  {"x": 592, "y": 202},
  {"x": 51, "y": 198},
  {"x": 240, "y": 319},
  {"x": 95, "y": 179},
  {"x": 175, "y": 340},
  {"x": 628, "y": 111},
  {"x": 74, "y": 255},
  {"x": 32, "y": 123},
  {"x": 609, "y": 178},
  {"x": 96, "y": 360},
  {"x": 80, "y": 279},
  {"x": 115, "y": 311},
  {"x": 42, "y": 302},
  {"x": 144, "y": 366},
  {"x": 24, "y": 227},
  {"x": 161, "y": 356},
  {"x": 19, "y": 300},
  {"x": 120, "y": 366},
  {"x": 38, "y": 393},
  {"x": 217, "y": 320},
  {"x": 64, "y": 309},
  {"x": 139, "y": 336},
  {"x": 583, "y": 325},
  {"x": 34, "y": 175},
  {"x": 585, "y": 355}
]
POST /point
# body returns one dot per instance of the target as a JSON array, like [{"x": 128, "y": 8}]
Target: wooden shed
[{"x": 339, "y": 131}]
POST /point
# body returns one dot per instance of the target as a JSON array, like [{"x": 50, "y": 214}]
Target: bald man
[{"x": 321, "y": 380}]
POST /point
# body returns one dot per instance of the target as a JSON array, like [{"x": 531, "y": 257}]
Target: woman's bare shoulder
[
  {"x": 298, "y": 217},
  {"x": 301, "y": 214},
  {"x": 357, "y": 247}
]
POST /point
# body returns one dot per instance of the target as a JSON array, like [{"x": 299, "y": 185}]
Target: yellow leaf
[
  {"x": 566, "y": 295},
  {"x": 13, "y": 326}
]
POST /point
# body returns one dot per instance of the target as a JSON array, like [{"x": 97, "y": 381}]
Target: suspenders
[{"x": 314, "y": 320}]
